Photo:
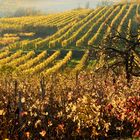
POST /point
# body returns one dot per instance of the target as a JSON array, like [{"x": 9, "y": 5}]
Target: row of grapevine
[
  {"x": 30, "y": 20},
  {"x": 82, "y": 29},
  {"x": 32, "y": 61},
  {"x": 66, "y": 18},
  {"x": 44, "y": 64},
  {"x": 44, "y": 21},
  {"x": 114, "y": 21},
  {"x": 78, "y": 17},
  {"x": 93, "y": 26},
  {"x": 10, "y": 58},
  {"x": 65, "y": 22},
  {"x": 61, "y": 18},
  {"x": 100, "y": 29},
  {"x": 33, "y": 19},
  {"x": 57, "y": 41},
  {"x": 136, "y": 58},
  {"x": 14, "y": 20},
  {"x": 17, "y": 45},
  {"x": 31, "y": 44},
  {"x": 22, "y": 59},
  {"x": 37, "y": 19},
  {"x": 124, "y": 19},
  {"x": 42, "y": 43},
  {"x": 58, "y": 65},
  {"x": 24, "y": 44},
  {"x": 20, "y": 24},
  {"x": 82, "y": 62},
  {"x": 7, "y": 26},
  {"x": 4, "y": 54},
  {"x": 84, "y": 38},
  {"x": 129, "y": 28},
  {"x": 57, "y": 20}
]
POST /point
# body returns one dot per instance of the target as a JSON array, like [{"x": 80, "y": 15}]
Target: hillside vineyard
[{"x": 62, "y": 41}]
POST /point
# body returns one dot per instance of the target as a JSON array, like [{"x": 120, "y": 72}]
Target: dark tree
[{"x": 121, "y": 51}]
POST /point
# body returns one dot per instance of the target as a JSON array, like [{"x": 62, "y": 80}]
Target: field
[
  {"x": 59, "y": 81},
  {"x": 47, "y": 43}
]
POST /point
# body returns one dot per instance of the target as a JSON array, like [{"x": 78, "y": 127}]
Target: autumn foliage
[{"x": 82, "y": 106}]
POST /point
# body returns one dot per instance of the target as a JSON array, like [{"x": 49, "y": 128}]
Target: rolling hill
[{"x": 45, "y": 44}]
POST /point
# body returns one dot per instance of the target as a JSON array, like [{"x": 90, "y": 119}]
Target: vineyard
[
  {"x": 71, "y": 75},
  {"x": 42, "y": 44}
]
